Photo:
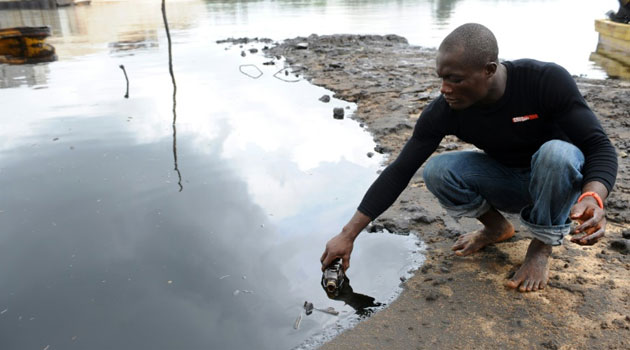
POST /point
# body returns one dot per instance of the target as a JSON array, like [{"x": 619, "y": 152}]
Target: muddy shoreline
[{"x": 461, "y": 302}]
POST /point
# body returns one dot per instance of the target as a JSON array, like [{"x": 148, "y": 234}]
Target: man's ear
[{"x": 491, "y": 68}]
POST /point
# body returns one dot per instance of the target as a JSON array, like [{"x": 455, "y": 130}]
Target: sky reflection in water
[{"x": 99, "y": 249}]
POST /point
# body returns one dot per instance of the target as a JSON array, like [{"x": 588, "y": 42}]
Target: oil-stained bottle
[{"x": 333, "y": 277}]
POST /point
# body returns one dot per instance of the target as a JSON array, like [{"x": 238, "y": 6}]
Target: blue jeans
[{"x": 469, "y": 183}]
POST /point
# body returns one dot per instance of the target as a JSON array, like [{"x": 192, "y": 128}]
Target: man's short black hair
[{"x": 477, "y": 41}]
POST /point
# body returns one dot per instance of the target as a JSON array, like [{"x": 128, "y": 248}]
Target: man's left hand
[{"x": 591, "y": 219}]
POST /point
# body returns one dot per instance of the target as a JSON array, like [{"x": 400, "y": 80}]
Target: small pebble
[
  {"x": 325, "y": 98},
  {"x": 338, "y": 113},
  {"x": 431, "y": 297},
  {"x": 621, "y": 245}
]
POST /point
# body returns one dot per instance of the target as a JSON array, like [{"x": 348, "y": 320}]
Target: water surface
[{"x": 120, "y": 231}]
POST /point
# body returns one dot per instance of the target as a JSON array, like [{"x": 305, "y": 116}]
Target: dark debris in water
[{"x": 241, "y": 41}]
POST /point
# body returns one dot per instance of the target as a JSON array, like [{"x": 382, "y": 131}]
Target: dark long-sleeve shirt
[{"x": 541, "y": 103}]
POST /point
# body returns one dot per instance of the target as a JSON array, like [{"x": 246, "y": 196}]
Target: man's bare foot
[
  {"x": 534, "y": 273},
  {"x": 496, "y": 229}
]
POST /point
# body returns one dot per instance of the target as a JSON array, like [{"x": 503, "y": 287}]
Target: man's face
[{"x": 462, "y": 85}]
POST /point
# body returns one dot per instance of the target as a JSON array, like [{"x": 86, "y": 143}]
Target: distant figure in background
[
  {"x": 544, "y": 155},
  {"x": 623, "y": 14}
]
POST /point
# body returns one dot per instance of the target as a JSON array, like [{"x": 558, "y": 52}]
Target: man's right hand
[{"x": 339, "y": 246}]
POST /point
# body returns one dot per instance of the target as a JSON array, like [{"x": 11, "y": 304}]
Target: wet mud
[{"x": 461, "y": 302}]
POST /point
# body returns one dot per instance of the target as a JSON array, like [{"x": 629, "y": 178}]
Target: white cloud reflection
[{"x": 275, "y": 133}]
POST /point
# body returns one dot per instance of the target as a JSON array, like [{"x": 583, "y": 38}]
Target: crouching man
[{"x": 543, "y": 154}]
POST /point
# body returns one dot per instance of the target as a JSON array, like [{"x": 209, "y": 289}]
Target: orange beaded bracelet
[{"x": 594, "y": 195}]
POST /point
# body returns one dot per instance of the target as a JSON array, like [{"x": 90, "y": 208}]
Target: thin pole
[{"x": 170, "y": 69}]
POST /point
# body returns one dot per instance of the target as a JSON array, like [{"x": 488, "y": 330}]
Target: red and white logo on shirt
[{"x": 524, "y": 118}]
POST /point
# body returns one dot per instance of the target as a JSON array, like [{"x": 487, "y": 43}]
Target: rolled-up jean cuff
[
  {"x": 551, "y": 235},
  {"x": 470, "y": 210}
]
